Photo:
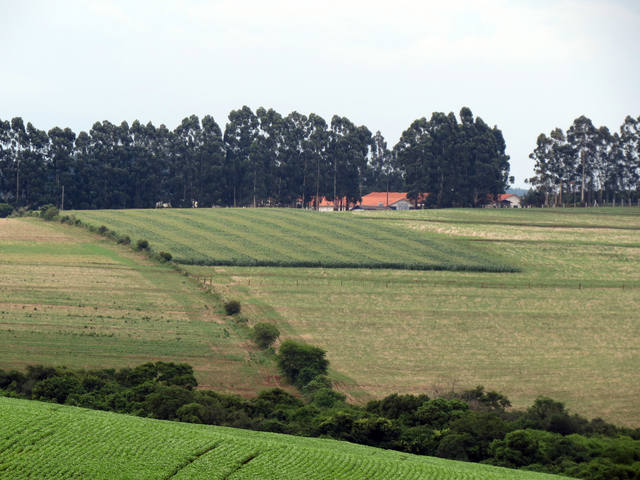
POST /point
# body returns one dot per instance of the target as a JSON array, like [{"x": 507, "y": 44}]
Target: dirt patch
[{"x": 18, "y": 230}]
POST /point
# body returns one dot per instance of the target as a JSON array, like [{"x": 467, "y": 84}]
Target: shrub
[
  {"x": 49, "y": 212},
  {"x": 5, "y": 210},
  {"x": 102, "y": 230},
  {"x": 142, "y": 244},
  {"x": 124, "y": 240},
  {"x": 165, "y": 256},
  {"x": 301, "y": 363},
  {"x": 264, "y": 334},
  {"x": 232, "y": 307}
]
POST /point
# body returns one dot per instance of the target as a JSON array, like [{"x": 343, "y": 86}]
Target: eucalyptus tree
[
  {"x": 582, "y": 137},
  {"x": 239, "y": 135},
  {"x": 295, "y": 163},
  {"x": 317, "y": 149},
  {"x": 144, "y": 169},
  {"x": 348, "y": 147},
  {"x": 34, "y": 157},
  {"x": 381, "y": 175},
  {"x": 413, "y": 156},
  {"x": 210, "y": 162},
  {"x": 542, "y": 155},
  {"x": 18, "y": 144},
  {"x": 6, "y": 161},
  {"x": 267, "y": 157},
  {"x": 630, "y": 145},
  {"x": 61, "y": 164}
]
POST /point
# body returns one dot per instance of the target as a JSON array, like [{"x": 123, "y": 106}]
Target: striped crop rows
[
  {"x": 41, "y": 440},
  {"x": 286, "y": 237}
]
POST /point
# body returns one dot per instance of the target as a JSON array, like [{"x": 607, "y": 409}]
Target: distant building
[
  {"x": 507, "y": 200},
  {"x": 389, "y": 200},
  {"x": 325, "y": 205}
]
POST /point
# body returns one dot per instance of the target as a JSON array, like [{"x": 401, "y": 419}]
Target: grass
[
  {"x": 286, "y": 237},
  {"x": 42, "y": 440},
  {"x": 565, "y": 326},
  {"x": 71, "y": 298}
]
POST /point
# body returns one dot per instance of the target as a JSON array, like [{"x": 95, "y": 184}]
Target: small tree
[
  {"x": 232, "y": 307},
  {"x": 301, "y": 363},
  {"x": 264, "y": 334}
]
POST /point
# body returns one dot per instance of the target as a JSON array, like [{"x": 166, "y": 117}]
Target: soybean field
[{"x": 41, "y": 440}]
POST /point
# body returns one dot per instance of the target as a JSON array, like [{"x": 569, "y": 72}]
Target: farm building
[
  {"x": 325, "y": 205},
  {"x": 507, "y": 200},
  {"x": 387, "y": 200}
]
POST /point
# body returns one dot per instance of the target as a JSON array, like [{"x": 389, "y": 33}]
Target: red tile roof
[{"x": 379, "y": 199}]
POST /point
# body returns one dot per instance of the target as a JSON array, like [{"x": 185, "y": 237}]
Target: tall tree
[
  {"x": 582, "y": 137},
  {"x": 239, "y": 135}
]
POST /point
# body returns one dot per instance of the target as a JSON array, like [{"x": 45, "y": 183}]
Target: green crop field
[
  {"x": 286, "y": 237},
  {"x": 71, "y": 298},
  {"x": 41, "y": 440}
]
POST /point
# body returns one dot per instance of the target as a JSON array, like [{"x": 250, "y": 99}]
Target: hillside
[
  {"x": 68, "y": 297},
  {"x": 563, "y": 326},
  {"x": 41, "y": 440}
]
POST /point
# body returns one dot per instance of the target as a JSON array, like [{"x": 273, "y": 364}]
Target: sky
[{"x": 524, "y": 66}]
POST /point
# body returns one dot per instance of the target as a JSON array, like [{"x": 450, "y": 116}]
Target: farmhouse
[
  {"x": 387, "y": 200},
  {"x": 507, "y": 200}
]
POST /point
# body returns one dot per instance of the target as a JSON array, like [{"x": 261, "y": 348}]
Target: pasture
[
  {"x": 41, "y": 440},
  {"x": 71, "y": 298},
  {"x": 565, "y": 326}
]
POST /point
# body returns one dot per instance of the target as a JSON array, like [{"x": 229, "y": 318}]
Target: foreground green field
[
  {"x": 288, "y": 237},
  {"x": 565, "y": 327},
  {"x": 70, "y": 298},
  {"x": 42, "y": 440}
]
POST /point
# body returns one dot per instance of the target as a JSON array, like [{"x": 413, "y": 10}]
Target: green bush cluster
[
  {"x": 232, "y": 307},
  {"x": 49, "y": 212},
  {"x": 264, "y": 334}
]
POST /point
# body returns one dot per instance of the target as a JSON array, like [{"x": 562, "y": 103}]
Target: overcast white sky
[{"x": 525, "y": 66}]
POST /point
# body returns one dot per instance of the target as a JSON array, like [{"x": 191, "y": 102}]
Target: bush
[
  {"x": 142, "y": 244},
  {"x": 165, "y": 256},
  {"x": 124, "y": 240},
  {"x": 5, "y": 210},
  {"x": 264, "y": 334},
  {"x": 301, "y": 363},
  {"x": 49, "y": 212},
  {"x": 232, "y": 307},
  {"x": 102, "y": 230}
]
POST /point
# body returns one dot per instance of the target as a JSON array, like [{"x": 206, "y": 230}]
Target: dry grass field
[{"x": 69, "y": 298}]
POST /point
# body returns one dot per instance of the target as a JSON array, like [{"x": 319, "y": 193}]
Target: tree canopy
[{"x": 260, "y": 158}]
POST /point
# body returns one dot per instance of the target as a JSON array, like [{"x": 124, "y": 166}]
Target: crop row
[
  {"x": 56, "y": 442},
  {"x": 277, "y": 237}
]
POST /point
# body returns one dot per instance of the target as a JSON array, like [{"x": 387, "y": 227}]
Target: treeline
[
  {"x": 474, "y": 425},
  {"x": 260, "y": 159},
  {"x": 587, "y": 165}
]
